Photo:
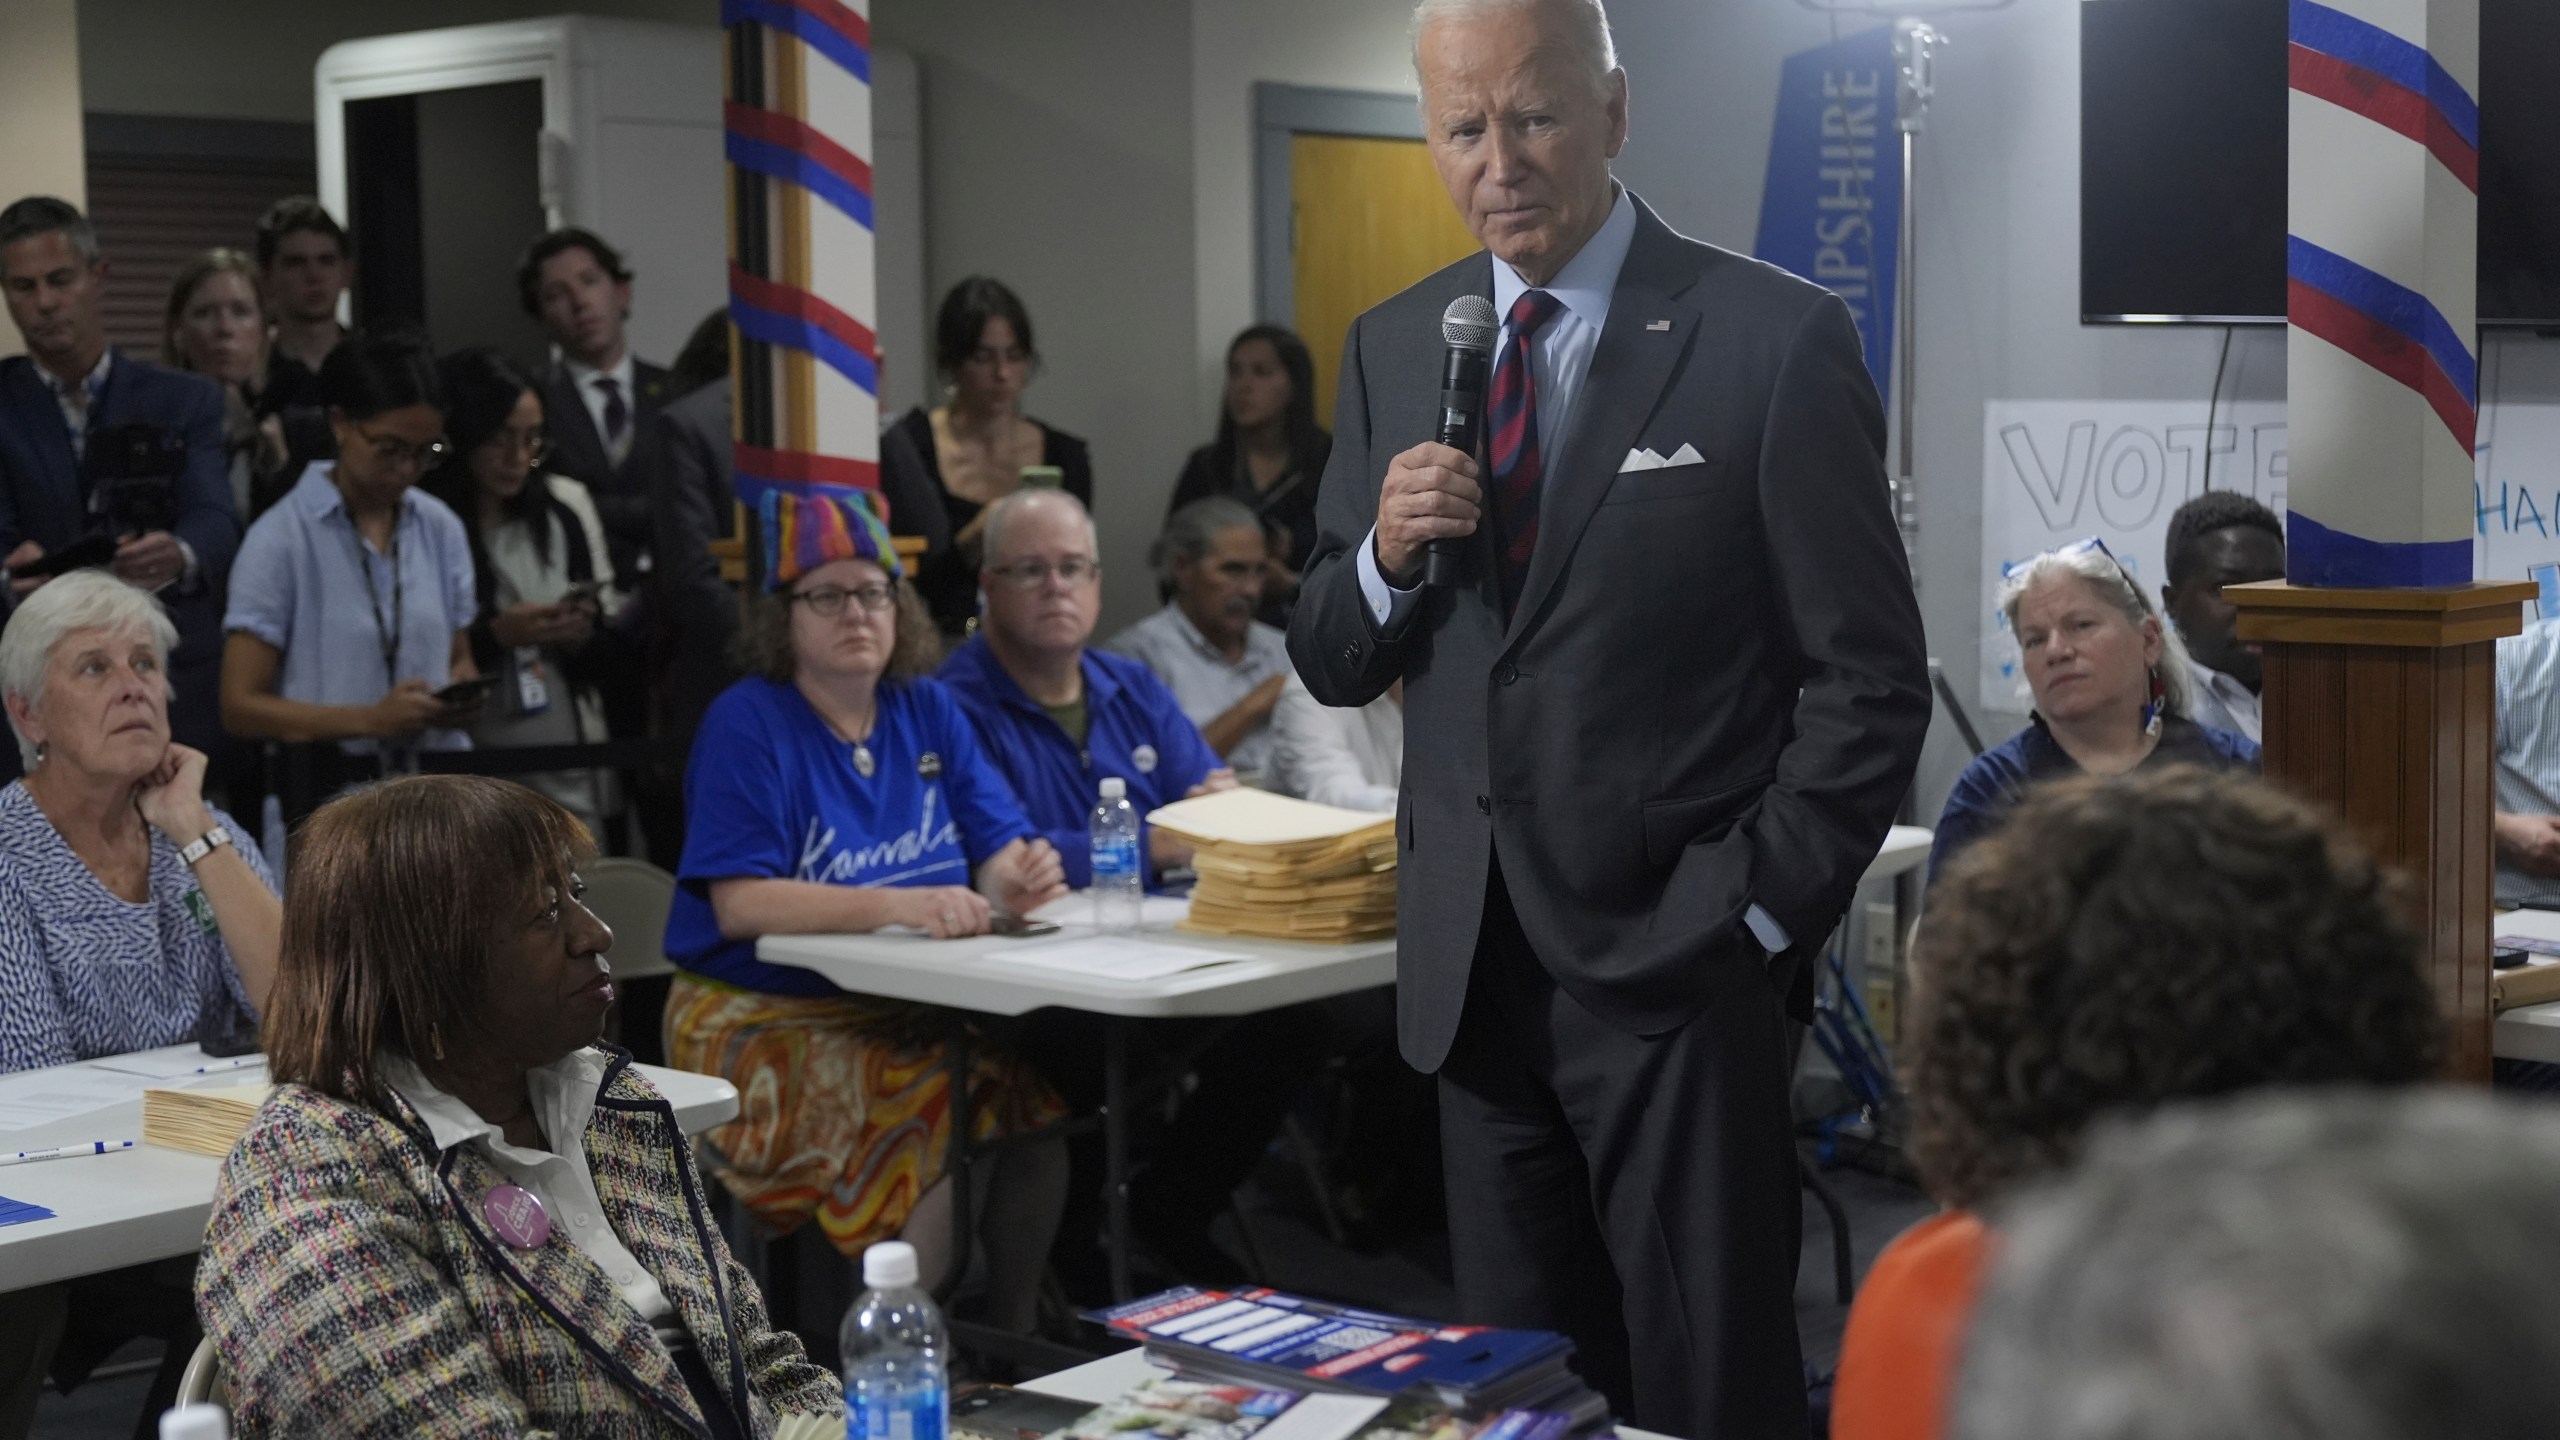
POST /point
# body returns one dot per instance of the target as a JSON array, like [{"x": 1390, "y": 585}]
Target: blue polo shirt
[{"x": 1136, "y": 730}]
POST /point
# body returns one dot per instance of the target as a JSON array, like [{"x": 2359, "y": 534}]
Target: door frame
[{"x": 1280, "y": 114}]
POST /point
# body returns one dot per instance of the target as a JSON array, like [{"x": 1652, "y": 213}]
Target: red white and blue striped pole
[
  {"x": 2382, "y": 264},
  {"x": 802, "y": 301}
]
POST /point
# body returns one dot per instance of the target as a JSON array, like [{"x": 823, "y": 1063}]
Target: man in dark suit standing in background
[
  {"x": 93, "y": 444},
  {"x": 600, "y": 403},
  {"x": 1654, "y": 737}
]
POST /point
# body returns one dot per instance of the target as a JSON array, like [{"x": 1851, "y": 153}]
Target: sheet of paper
[
  {"x": 175, "y": 1061},
  {"x": 1076, "y": 908},
  {"x": 1258, "y": 817},
  {"x": 40, "y": 1097},
  {"x": 1112, "y": 957}
]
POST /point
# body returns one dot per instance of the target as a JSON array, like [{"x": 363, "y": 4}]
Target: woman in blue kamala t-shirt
[{"x": 836, "y": 790}]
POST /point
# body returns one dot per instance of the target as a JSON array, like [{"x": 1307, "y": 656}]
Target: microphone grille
[{"x": 1468, "y": 323}]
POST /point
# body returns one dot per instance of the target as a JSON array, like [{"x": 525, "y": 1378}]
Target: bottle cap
[
  {"x": 889, "y": 1265},
  {"x": 195, "y": 1422},
  {"x": 1114, "y": 788}
]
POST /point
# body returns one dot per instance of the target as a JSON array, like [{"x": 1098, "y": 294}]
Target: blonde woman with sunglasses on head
[{"x": 2109, "y": 683}]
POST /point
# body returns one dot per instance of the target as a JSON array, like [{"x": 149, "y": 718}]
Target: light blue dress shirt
[
  {"x": 1561, "y": 360},
  {"x": 301, "y": 585},
  {"x": 2528, "y": 776}
]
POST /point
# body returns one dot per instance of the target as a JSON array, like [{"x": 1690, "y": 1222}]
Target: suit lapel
[
  {"x": 671, "y": 1241},
  {"x": 1630, "y": 370},
  {"x": 573, "y": 431},
  {"x": 48, "y": 441}
]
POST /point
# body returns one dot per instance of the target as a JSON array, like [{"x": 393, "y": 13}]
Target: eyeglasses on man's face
[
  {"x": 1072, "y": 571},
  {"x": 828, "y": 601}
]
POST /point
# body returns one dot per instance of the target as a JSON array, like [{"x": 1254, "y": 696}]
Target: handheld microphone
[{"x": 1468, "y": 328}]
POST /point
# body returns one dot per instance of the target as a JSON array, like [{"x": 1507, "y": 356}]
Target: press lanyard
[{"x": 389, "y": 635}]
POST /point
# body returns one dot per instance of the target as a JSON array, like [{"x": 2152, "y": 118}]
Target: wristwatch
[{"x": 206, "y": 844}]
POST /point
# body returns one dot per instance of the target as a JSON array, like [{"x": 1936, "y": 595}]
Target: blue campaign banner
[{"x": 1832, "y": 208}]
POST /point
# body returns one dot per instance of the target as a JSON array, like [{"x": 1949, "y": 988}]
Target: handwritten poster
[{"x": 2055, "y": 471}]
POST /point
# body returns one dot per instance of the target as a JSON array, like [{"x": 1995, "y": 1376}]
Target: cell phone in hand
[
  {"x": 588, "y": 591},
  {"x": 87, "y": 552},
  {"x": 468, "y": 692}
]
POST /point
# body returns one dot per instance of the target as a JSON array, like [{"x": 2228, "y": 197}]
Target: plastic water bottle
[
  {"x": 1119, "y": 882},
  {"x": 894, "y": 1350},
  {"x": 195, "y": 1422}
]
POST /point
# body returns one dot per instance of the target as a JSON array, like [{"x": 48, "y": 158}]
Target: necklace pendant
[{"x": 863, "y": 764}]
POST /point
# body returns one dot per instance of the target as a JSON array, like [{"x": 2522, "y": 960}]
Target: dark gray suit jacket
[{"x": 1715, "y": 688}]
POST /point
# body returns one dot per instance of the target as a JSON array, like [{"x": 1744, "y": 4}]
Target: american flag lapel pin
[{"x": 1658, "y": 325}]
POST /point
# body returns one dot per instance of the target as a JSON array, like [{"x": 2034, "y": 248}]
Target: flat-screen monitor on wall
[{"x": 2182, "y": 161}]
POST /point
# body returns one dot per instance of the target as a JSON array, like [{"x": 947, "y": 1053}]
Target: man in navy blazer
[{"x": 71, "y": 387}]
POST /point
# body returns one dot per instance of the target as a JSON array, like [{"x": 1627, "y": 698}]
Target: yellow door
[{"x": 1371, "y": 218}]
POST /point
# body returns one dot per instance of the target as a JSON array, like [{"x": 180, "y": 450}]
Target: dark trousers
[{"x": 1637, "y": 1193}]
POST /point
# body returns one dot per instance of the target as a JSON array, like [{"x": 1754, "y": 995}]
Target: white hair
[
  {"x": 1000, "y": 516},
  {"x": 2112, "y": 583},
  {"x": 1586, "y": 27},
  {"x": 81, "y": 600}
]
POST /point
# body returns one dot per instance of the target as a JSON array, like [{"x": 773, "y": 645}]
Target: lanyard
[{"x": 389, "y": 635}]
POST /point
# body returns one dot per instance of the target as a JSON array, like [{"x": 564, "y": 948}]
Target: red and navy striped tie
[{"x": 1513, "y": 448}]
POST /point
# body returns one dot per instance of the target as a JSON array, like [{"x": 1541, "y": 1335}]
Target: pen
[
  {"x": 237, "y": 1062},
  {"x": 64, "y": 1152}
]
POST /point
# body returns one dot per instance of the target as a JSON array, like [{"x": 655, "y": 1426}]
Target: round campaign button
[
  {"x": 518, "y": 1217},
  {"x": 1144, "y": 758}
]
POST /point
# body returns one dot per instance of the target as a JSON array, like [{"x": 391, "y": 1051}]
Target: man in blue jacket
[
  {"x": 1057, "y": 717},
  {"x": 98, "y": 447}
]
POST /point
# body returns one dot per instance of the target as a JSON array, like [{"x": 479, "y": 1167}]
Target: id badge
[{"x": 533, "y": 688}]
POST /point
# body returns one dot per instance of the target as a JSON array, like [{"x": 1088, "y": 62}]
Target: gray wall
[
  {"x": 1057, "y": 146},
  {"x": 1998, "y": 276}
]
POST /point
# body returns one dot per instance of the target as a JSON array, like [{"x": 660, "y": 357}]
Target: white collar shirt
[
  {"x": 2223, "y": 703},
  {"x": 564, "y": 1099},
  {"x": 624, "y": 374},
  {"x": 1560, "y": 356},
  {"x": 76, "y": 401}
]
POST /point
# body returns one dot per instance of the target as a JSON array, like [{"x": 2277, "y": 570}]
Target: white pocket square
[{"x": 1650, "y": 460}]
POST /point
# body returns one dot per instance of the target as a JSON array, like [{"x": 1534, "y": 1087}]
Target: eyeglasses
[
  {"x": 828, "y": 601},
  {"x": 1032, "y": 574},
  {"x": 534, "y": 445},
  {"x": 395, "y": 452}
]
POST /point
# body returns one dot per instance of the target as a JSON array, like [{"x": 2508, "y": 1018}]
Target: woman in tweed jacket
[{"x": 458, "y": 1215}]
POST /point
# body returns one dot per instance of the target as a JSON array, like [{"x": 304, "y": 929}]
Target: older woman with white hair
[
  {"x": 132, "y": 914},
  {"x": 2110, "y": 686}
]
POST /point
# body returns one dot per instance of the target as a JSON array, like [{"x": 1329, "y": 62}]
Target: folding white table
[
  {"x": 984, "y": 975},
  {"x": 131, "y": 1206},
  {"x": 2528, "y": 1032}
]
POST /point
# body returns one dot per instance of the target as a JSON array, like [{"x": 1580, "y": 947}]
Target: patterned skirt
[{"x": 844, "y": 1103}]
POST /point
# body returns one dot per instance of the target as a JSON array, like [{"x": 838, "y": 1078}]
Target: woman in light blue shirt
[{"x": 352, "y": 599}]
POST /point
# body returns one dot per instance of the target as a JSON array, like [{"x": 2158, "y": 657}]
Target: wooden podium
[{"x": 2381, "y": 705}]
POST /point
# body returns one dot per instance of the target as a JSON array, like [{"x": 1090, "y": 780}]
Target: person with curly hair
[
  {"x": 2112, "y": 687},
  {"x": 2120, "y": 944}
]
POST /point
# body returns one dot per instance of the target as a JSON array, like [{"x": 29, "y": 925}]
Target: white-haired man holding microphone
[{"x": 1657, "y": 730}]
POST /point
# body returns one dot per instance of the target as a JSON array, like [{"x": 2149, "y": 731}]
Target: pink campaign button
[{"x": 517, "y": 1216}]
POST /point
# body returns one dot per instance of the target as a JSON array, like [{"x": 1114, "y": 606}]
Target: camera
[{"x": 133, "y": 473}]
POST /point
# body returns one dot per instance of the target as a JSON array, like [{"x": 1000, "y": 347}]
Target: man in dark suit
[
  {"x": 95, "y": 444},
  {"x": 600, "y": 404},
  {"x": 1653, "y": 739}
]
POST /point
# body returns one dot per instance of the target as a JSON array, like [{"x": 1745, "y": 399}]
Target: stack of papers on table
[
  {"x": 1286, "y": 869},
  {"x": 205, "y": 1122}
]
